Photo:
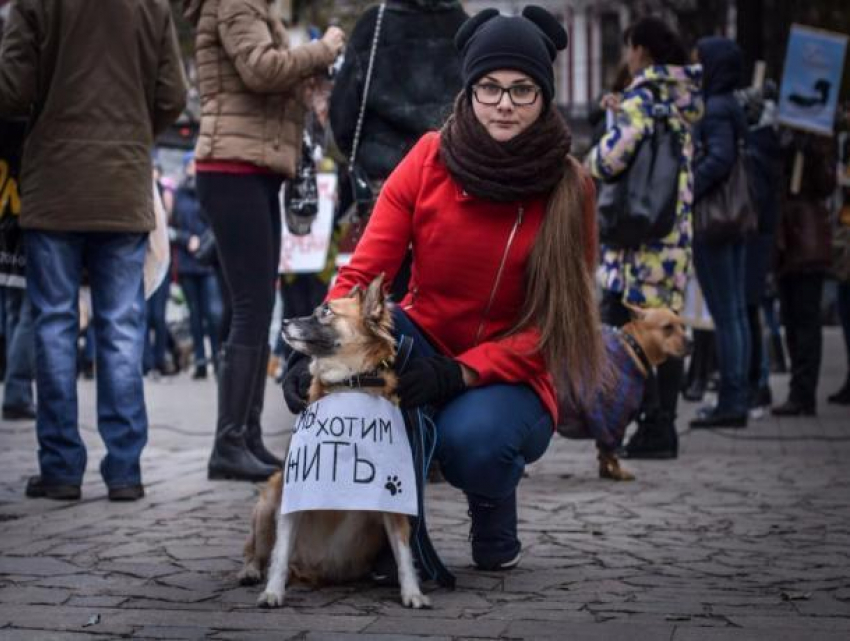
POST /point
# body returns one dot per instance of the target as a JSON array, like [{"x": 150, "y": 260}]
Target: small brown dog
[
  {"x": 346, "y": 338},
  {"x": 650, "y": 338}
]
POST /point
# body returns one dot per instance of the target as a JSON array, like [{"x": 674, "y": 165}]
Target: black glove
[
  {"x": 296, "y": 382},
  {"x": 433, "y": 380}
]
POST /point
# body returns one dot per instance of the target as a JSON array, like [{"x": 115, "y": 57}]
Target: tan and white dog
[{"x": 346, "y": 337}]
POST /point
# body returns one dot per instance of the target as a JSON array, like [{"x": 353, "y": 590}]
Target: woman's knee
[{"x": 483, "y": 446}]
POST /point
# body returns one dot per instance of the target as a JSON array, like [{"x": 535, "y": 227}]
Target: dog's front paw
[
  {"x": 249, "y": 575},
  {"x": 270, "y": 599},
  {"x": 415, "y": 600}
]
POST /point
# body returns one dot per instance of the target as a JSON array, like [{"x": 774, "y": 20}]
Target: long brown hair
[{"x": 561, "y": 296}]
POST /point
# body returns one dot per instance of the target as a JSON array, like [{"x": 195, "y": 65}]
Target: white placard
[
  {"x": 309, "y": 254},
  {"x": 349, "y": 451}
]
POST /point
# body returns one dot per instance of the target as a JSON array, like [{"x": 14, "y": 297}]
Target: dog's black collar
[
  {"x": 363, "y": 380},
  {"x": 374, "y": 378},
  {"x": 638, "y": 350}
]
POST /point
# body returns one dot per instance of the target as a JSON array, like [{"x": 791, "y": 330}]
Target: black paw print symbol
[{"x": 393, "y": 485}]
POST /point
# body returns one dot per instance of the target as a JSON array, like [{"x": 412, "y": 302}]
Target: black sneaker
[
  {"x": 493, "y": 532},
  {"x": 38, "y": 489},
  {"x": 19, "y": 413}
]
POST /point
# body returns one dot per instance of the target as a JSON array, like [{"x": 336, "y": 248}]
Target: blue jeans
[
  {"x": 204, "y": 300},
  {"x": 487, "y": 435},
  {"x": 113, "y": 261},
  {"x": 722, "y": 277},
  {"x": 20, "y": 357}
]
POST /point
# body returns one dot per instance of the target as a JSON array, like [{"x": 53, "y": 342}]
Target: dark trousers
[
  {"x": 300, "y": 296},
  {"x": 204, "y": 300},
  {"x": 844, "y": 316},
  {"x": 244, "y": 213},
  {"x": 661, "y": 398},
  {"x": 800, "y": 302}
]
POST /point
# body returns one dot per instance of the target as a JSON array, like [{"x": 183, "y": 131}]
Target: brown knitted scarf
[{"x": 528, "y": 165}]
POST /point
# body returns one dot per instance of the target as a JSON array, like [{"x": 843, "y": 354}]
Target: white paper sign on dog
[{"x": 349, "y": 451}]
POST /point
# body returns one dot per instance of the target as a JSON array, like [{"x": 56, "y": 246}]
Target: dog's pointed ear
[
  {"x": 356, "y": 292},
  {"x": 638, "y": 313},
  {"x": 374, "y": 300}
]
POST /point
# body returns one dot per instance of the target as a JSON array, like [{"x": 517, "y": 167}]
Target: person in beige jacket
[{"x": 253, "y": 88}]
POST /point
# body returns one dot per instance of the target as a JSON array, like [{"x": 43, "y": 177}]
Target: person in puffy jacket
[
  {"x": 721, "y": 265},
  {"x": 655, "y": 273},
  {"x": 502, "y": 225},
  {"x": 253, "y": 88}
]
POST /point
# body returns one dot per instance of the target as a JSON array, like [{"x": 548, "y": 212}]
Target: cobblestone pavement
[{"x": 745, "y": 536}]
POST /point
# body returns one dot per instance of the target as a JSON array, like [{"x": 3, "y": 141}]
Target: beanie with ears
[{"x": 528, "y": 43}]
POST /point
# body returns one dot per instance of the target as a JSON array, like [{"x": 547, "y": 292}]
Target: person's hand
[
  {"x": 334, "y": 38},
  {"x": 611, "y": 101},
  {"x": 433, "y": 380},
  {"x": 296, "y": 382},
  {"x": 193, "y": 244}
]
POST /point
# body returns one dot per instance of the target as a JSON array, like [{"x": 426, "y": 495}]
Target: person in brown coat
[
  {"x": 98, "y": 81},
  {"x": 803, "y": 256},
  {"x": 253, "y": 88}
]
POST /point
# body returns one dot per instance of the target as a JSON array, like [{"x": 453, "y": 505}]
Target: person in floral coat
[{"x": 654, "y": 274}]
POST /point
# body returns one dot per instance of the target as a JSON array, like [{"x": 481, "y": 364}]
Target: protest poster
[
  {"x": 349, "y": 451},
  {"x": 309, "y": 254},
  {"x": 811, "y": 79},
  {"x": 12, "y": 258}
]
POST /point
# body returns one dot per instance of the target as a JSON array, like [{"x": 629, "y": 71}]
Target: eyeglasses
[{"x": 491, "y": 94}]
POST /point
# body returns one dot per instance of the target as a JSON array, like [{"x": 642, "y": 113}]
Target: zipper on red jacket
[{"x": 510, "y": 242}]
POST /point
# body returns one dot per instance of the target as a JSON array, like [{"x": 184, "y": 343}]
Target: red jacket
[{"x": 468, "y": 282}]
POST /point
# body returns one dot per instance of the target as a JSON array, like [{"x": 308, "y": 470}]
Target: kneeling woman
[{"x": 501, "y": 222}]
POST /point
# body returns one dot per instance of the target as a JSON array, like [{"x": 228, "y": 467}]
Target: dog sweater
[{"x": 608, "y": 415}]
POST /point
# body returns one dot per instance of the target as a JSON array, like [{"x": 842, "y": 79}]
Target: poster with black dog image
[
  {"x": 349, "y": 451},
  {"x": 811, "y": 79}
]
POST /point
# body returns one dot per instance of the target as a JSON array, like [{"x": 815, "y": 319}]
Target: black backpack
[{"x": 639, "y": 205}]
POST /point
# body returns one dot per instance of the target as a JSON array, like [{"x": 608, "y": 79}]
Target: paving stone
[
  {"x": 776, "y": 633},
  {"x": 467, "y": 628},
  {"x": 10, "y": 634},
  {"x": 33, "y": 595},
  {"x": 36, "y": 566},
  {"x": 161, "y": 632}
]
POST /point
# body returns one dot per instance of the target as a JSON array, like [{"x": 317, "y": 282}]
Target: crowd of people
[{"x": 480, "y": 212}]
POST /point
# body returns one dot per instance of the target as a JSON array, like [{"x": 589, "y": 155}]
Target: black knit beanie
[{"x": 528, "y": 43}]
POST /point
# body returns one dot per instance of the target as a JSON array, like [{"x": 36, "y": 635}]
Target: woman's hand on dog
[
  {"x": 296, "y": 382},
  {"x": 433, "y": 380}
]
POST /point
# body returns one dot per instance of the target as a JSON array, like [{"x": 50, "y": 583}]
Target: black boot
[
  {"x": 842, "y": 396},
  {"x": 493, "y": 533},
  {"x": 698, "y": 367},
  {"x": 254, "y": 435},
  {"x": 776, "y": 353},
  {"x": 231, "y": 458},
  {"x": 656, "y": 438}
]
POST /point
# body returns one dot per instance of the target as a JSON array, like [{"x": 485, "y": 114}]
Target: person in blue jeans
[
  {"x": 20, "y": 367},
  {"x": 86, "y": 208},
  {"x": 198, "y": 281},
  {"x": 721, "y": 266}
]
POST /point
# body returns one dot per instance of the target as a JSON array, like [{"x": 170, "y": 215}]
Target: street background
[{"x": 745, "y": 537}]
